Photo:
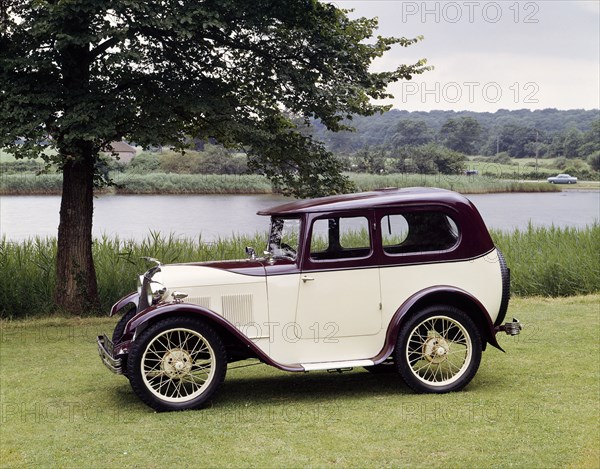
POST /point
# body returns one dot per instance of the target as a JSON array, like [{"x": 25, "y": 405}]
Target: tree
[
  {"x": 591, "y": 140},
  {"x": 462, "y": 135},
  {"x": 371, "y": 160},
  {"x": 411, "y": 133},
  {"x": 430, "y": 159},
  {"x": 80, "y": 74},
  {"x": 594, "y": 160},
  {"x": 514, "y": 139}
]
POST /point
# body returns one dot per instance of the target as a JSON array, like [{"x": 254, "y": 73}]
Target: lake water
[{"x": 214, "y": 216}]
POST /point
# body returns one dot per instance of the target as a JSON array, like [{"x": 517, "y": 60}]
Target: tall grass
[
  {"x": 27, "y": 274},
  {"x": 543, "y": 261},
  {"x": 552, "y": 261},
  {"x": 171, "y": 183},
  {"x": 30, "y": 184},
  {"x": 155, "y": 183},
  {"x": 161, "y": 183},
  {"x": 459, "y": 183}
]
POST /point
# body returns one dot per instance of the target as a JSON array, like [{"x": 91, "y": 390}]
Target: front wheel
[
  {"x": 177, "y": 364},
  {"x": 438, "y": 350}
]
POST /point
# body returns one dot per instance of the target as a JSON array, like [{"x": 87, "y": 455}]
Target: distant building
[{"x": 123, "y": 151}]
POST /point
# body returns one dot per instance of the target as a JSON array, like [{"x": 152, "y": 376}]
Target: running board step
[{"x": 336, "y": 365}]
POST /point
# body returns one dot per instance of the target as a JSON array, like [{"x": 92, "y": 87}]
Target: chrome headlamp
[
  {"x": 150, "y": 289},
  {"x": 155, "y": 292}
]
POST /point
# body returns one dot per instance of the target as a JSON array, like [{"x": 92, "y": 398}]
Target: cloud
[
  {"x": 481, "y": 82},
  {"x": 554, "y": 44}
]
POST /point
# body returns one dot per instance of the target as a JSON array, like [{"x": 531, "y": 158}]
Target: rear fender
[{"x": 439, "y": 295}]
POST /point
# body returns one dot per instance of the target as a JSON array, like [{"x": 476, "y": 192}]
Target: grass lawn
[{"x": 537, "y": 406}]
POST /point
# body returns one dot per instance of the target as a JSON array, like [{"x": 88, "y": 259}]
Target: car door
[{"x": 339, "y": 291}]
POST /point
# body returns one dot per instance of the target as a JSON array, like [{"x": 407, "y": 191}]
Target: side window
[
  {"x": 340, "y": 238},
  {"x": 418, "y": 232}
]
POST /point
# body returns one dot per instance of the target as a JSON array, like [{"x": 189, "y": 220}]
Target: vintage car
[
  {"x": 406, "y": 280},
  {"x": 562, "y": 179}
]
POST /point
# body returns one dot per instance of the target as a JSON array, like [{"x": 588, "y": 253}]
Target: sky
[{"x": 491, "y": 55}]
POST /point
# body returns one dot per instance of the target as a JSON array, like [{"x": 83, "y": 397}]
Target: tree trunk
[{"x": 76, "y": 286}]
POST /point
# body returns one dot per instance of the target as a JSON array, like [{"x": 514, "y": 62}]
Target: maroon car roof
[{"x": 376, "y": 198}]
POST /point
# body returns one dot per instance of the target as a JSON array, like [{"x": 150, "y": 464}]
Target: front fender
[
  {"x": 131, "y": 298},
  {"x": 155, "y": 313}
]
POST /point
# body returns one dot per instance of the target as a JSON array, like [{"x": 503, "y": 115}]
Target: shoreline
[{"x": 188, "y": 184}]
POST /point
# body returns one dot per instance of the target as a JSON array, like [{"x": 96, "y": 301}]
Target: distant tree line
[{"x": 409, "y": 137}]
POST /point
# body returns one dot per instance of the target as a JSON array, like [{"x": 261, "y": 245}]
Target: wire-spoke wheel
[
  {"x": 177, "y": 364},
  {"x": 438, "y": 350}
]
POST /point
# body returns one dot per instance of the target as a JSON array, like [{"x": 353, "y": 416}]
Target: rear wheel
[
  {"x": 438, "y": 350},
  {"x": 177, "y": 364}
]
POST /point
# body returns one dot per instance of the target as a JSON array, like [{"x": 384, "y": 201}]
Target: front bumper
[{"x": 106, "y": 351}]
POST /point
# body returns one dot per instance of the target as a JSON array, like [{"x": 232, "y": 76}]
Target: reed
[
  {"x": 161, "y": 183},
  {"x": 545, "y": 261},
  {"x": 171, "y": 183},
  {"x": 552, "y": 261},
  {"x": 459, "y": 183},
  {"x": 30, "y": 184},
  {"x": 27, "y": 268}
]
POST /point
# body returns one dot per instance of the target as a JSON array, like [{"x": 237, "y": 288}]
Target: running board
[{"x": 335, "y": 365}]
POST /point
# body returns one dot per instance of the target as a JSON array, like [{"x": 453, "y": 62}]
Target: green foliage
[
  {"x": 186, "y": 163},
  {"x": 303, "y": 177},
  {"x": 430, "y": 159},
  {"x": 552, "y": 261},
  {"x": 411, "y": 133},
  {"x": 456, "y": 182},
  {"x": 21, "y": 166},
  {"x": 551, "y": 125},
  {"x": 27, "y": 276},
  {"x": 29, "y": 184},
  {"x": 213, "y": 159},
  {"x": 594, "y": 160},
  {"x": 462, "y": 135},
  {"x": 217, "y": 160},
  {"x": 501, "y": 158},
  {"x": 370, "y": 160},
  {"x": 590, "y": 140},
  {"x": 144, "y": 163},
  {"x": 516, "y": 140},
  {"x": 77, "y": 75},
  {"x": 162, "y": 183},
  {"x": 70, "y": 74},
  {"x": 543, "y": 261}
]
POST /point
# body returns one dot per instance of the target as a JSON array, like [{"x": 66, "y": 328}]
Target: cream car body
[{"x": 404, "y": 276}]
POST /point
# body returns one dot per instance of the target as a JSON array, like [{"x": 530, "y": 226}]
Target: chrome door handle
[{"x": 306, "y": 278}]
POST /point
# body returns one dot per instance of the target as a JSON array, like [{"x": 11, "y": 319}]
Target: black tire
[
  {"x": 505, "y": 274},
  {"x": 120, "y": 327},
  {"x": 438, "y": 350},
  {"x": 163, "y": 366}
]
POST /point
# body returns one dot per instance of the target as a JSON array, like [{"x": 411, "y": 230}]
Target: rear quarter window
[{"x": 415, "y": 232}]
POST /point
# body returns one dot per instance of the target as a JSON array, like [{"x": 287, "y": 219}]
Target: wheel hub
[
  {"x": 435, "y": 349},
  {"x": 177, "y": 363}
]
